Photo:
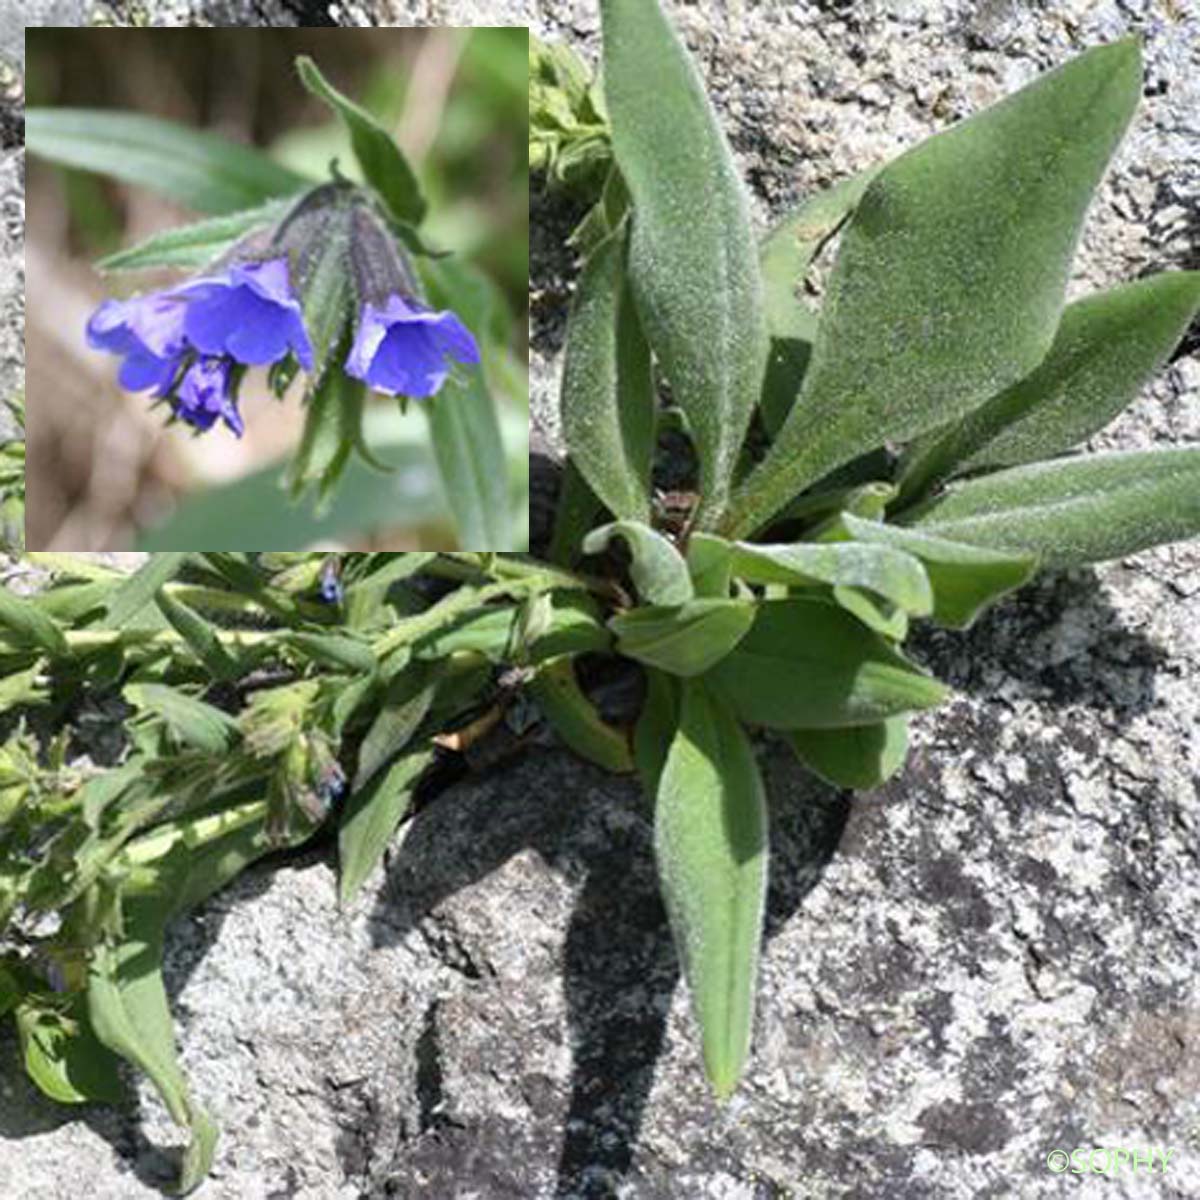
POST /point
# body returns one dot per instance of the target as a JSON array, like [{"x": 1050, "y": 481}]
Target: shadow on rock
[{"x": 619, "y": 964}]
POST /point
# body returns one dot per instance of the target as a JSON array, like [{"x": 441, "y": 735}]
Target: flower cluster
[{"x": 191, "y": 344}]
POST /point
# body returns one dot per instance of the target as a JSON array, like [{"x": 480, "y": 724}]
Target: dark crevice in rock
[{"x": 429, "y": 1072}]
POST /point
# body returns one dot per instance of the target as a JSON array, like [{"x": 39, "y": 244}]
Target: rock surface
[{"x": 993, "y": 957}]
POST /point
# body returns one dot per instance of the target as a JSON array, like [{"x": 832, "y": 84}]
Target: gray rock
[{"x": 991, "y": 958}]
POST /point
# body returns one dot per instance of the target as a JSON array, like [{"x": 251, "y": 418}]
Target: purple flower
[
  {"x": 249, "y": 312},
  {"x": 148, "y": 332},
  {"x": 204, "y": 396},
  {"x": 403, "y": 348}
]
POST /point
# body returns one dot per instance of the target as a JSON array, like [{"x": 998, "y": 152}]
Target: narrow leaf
[
  {"x": 658, "y": 570},
  {"x": 404, "y": 706},
  {"x": 1106, "y": 348},
  {"x": 384, "y": 166},
  {"x": 710, "y": 840},
  {"x": 372, "y": 815},
  {"x": 950, "y": 275},
  {"x": 608, "y": 397},
  {"x": 193, "y": 722},
  {"x": 23, "y": 623},
  {"x": 693, "y": 262},
  {"x": 199, "y": 635},
  {"x": 197, "y": 244},
  {"x": 806, "y": 664},
  {"x": 140, "y": 589},
  {"x": 201, "y": 171},
  {"x": 1073, "y": 510},
  {"x": 574, "y": 717}
]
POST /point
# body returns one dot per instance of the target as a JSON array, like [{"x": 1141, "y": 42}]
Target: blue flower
[
  {"x": 204, "y": 396},
  {"x": 249, "y": 312},
  {"x": 404, "y": 348},
  {"x": 148, "y": 332}
]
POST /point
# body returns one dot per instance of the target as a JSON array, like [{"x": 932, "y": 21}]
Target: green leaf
[
  {"x": 889, "y": 572},
  {"x": 693, "y": 262},
  {"x": 324, "y": 448},
  {"x": 655, "y": 728},
  {"x": 404, "y": 706},
  {"x": 1106, "y": 347},
  {"x": 710, "y": 564},
  {"x": 197, "y": 244},
  {"x": 464, "y": 423},
  {"x": 372, "y": 815},
  {"x": 192, "y": 721},
  {"x": 127, "y": 1005},
  {"x": 787, "y": 252},
  {"x": 576, "y": 513},
  {"x": 199, "y": 635},
  {"x": 710, "y": 840},
  {"x": 950, "y": 275},
  {"x": 26, "y": 625},
  {"x": 608, "y": 397},
  {"x": 965, "y": 579},
  {"x": 685, "y": 640},
  {"x": 806, "y": 664},
  {"x": 64, "y": 1057},
  {"x": 334, "y": 649},
  {"x": 861, "y": 757},
  {"x": 575, "y": 719},
  {"x": 1073, "y": 510},
  {"x": 140, "y": 589},
  {"x": 201, "y": 171},
  {"x": 658, "y": 570},
  {"x": 383, "y": 165}
]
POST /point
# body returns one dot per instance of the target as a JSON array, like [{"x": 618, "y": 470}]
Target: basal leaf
[
  {"x": 201, "y": 171},
  {"x": 575, "y": 719},
  {"x": 371, "y": 816},
  {"x": 710, "y": 564},
  {"x": 197, "y": 244},
  {"x": 693, "y": 262},
  {"x": 1073, "y": 510},
  {"x": 658, "y": 570},
  {"x": 888, "y": 571},
  {"x": 655, "y": 728},
  {"x": 608, "y": 397},
  {"x": 806, "y": 664},
  {"x": 950, "y": 275},
  {"x": 861, "y": 757},
  {"x": 1106, "y": 348},
  {"x": 965, "y": 579},
  {"x": 383, "y": 164},
  {"x": 685, "y": 640},
  {"x": 710, "y": 840}
]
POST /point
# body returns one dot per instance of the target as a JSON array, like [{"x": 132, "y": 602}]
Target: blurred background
[{"x": 103, "y": 471}]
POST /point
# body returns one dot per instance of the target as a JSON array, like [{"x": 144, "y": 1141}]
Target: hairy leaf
[
  {"x": 1073, "y": 510},
  {"x": 861, "y": 757},
  {"x": 693, "y": 262},
  {"x": 658, "y": 570},
  {"x": 608, "y": 397},
  {"x": 575, "y": 719},
  {"x": 685, "y": 640},
  {"x": 710, "y": 840},
  {"x": 806, "y": 664},
  {"x": 950, "y": 275}
]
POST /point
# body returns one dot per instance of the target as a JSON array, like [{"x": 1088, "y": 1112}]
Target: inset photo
[{"x": 276, "y": 289}]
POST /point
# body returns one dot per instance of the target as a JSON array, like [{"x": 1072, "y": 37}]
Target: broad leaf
[
  {"x": 1106, "y": 347},
  {"x": 194, "y": 245},
  {"x": 710, "y": 564},
  {"x": 693, "y": 262},
  {"x": 710, "y": 839},
  {"x": 658, "y": 570},
  {"x": 384, "y": 166},
  {"x": 686, "y": 640},
  {"x": 371, "y": 816},
  {"x": 951, "y": 273},
  {"x": 1073, "y": 510},
  {"x": 201, "y": 171},
  {"x": 608, "y": 397},
  {"x": 889, "y": 572},
  {"x": 806, "y": 664},
  {"x": 861, "y": 757}
]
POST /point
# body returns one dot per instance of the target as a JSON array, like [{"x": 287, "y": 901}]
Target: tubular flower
[
  {"x": 248, "y": 312},
  {"x": 148, "y": 332},
  {"x": 205, "y": 394},
  {"x": 403, "y": 348}
]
